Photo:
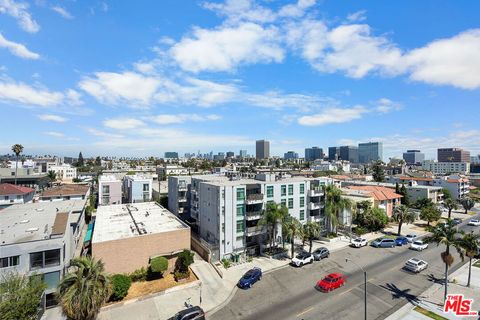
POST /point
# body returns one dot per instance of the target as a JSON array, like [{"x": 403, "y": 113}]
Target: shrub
[
  {"x": 139, "y": 275},
  {"x": 226, "y": 263},
  {"x": 184, "y": 260},
  {"x": 181, "y": 275},
  {"x": 120, "y": 285},
  {"x": 360, "y": 230},
  {"x": 159, "y": 264}
]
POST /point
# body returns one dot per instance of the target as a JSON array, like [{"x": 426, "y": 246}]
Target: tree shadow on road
[
  {"x": 398, "y": 293},
  {"x": 435, "y": 280}
]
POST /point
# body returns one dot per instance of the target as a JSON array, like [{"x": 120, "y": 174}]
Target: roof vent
[
  {"x": 39, "y": 209},
  {"x": 31, "y": 230},
  {"x": 25, "y": 221}
]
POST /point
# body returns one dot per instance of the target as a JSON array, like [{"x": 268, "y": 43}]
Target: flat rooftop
[
  {"x": 37, "y": 221},
  {"x": 122, "y": 221}
]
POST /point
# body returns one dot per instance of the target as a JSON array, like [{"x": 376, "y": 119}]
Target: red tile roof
[
  {"x": 8, "y": 188},
  {"x": 378, "y": 193}
]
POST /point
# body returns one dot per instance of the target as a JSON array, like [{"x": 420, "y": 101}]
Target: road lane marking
[{"x": 305, "y": 311}]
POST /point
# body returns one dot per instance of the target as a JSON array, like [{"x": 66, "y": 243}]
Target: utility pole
[{"x": 365, "y": 285}]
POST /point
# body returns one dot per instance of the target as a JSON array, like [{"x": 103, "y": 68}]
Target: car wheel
[
  {"x": 301, "y": 264},
  {"x": 249, "y": 285}
]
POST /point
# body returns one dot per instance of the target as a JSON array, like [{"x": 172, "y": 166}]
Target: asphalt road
[{"x": 289, "y": 293}]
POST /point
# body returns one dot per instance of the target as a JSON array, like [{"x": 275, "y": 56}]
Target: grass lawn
[
  {"x": 477, "y": 264},
  {"x": 429, "y": 313}
]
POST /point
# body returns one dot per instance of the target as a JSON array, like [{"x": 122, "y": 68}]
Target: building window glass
[
  {"x": 302, "y": 214},
  {"x": 290, "y": 189},
  {"x": 9, "y": 261},
  {"x": 240, "y": 194},
  {"x": 44, "y": 259},
  {"x": 302, "y": 188},
  {"x": 240, "y": 210},
  {"x": 51, "y": 279},
  {"x": 269, "y": 191},
  {"x": 302, "y": 202},
  {"x": 284, "y": 202},
  {"x": 105, "y": 189},
  {"x": 146, "y": 187},
  {"x": 290, "y": 203},
  {"x": 240, "y": 226},
  {"x": 284, "y": 190}
]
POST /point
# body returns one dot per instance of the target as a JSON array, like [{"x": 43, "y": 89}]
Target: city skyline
[{"x": 116, "y": 79}]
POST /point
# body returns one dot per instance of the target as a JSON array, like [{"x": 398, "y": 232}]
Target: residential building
[
  {"x": 384, "y": 198},
  {"x": 109, "y": 190},
  {"x": 321, "y": 165},
  {"x": 171, "y": 169},
  {"x": 25, "y": 177},
  {"x": 12, "y": 194},
  {"x": 64, "y": 172},
  {"x": 137, "y": 188},
  {"x": 127, "y": 236},
  {"x": 475, "y": 159},
  {"x": 417, "y": 192},
  {"x": 262, "y": 148},
  {"x": 243, "y": 154},
  {"x": 65, "y": 192},
  {"x": 333, "y": 153},
  {"x": 370, "y": 151},
  {"x": 413, "y": 157},
  {"x": 41, "y": 238},
  {"x": 459, "y": 186},
  {"x": 348, "y": 153},
  {"x": 178, "y": 196},
  {"x": 440, "y": 168},
  {"x": 290, "y": 155},
  {"x": 313, "y": 153},
  {"x": 225, "y": 211},
  {"x": 453, "y": 155},
  {"x": 356, "y": 196},
  {"x": 171, "y": 155}
]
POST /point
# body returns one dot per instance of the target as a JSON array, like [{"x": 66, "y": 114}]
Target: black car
[
  {"x": 321, "y": 253},
  {"x": 192, "y": 313},
  {"x": 456, "y": 221}
]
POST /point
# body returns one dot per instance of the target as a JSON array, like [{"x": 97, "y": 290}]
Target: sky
[{"x": 138, "y": 78}]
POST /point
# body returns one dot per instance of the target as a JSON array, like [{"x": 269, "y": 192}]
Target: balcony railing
[
  {"x": 254, "y": 231},
  {"x": 182, "y": 188},
  {"x": 254, "y": 198},
  {"x": 315, "y": 193},
  {"x": 314, "y": 206},
  {"x": 182, "y": 199},
  {"x": 254, "y": 215}
]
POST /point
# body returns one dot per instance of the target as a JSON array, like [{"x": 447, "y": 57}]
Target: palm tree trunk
[
  {"x": 16, "y": 168},
  {"x": 311, "y": 243},
  {"x": 293, "y": 244},
  {"x": 469, "y": 271},
  {"x": 400, "y": 227},
  {"x": 449, "y": 213},
  {"x": 446, "y": 274}
]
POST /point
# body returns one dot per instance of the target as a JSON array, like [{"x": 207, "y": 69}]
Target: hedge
[{"x": 120, "y": 285}]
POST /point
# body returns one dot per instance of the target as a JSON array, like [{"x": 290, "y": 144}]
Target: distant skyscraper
[
  {"x": 349, "y": 153},
  {"x": 333, "y": 153},
  {"x": 171, "y": 155},
  {"x": 262, "y": 149},
  {"x": 230, "y": 154},
  {"x": 453, "y": 155},
  {"x": 370, "y": 151},
  {"x": 289, "y": 155},
  {"x": 314, "y": 153},
  {"x": 412, "y": 157},
  {"x": 243, "y": 153}
]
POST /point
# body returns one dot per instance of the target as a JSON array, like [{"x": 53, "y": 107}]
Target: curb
[{"x": 225, "y": 302}]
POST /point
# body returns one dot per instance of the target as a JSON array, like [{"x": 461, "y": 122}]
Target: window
[
  {"x": 284, "y": 190},
  {"x": 284, "y": 202},
  {"x": 302, "y": 202},
  {"x": 51, "y": 279},
  {"x": 240, "y": 194},
  {"x": 240, "y": 226},
  {"x": 146, "y": 187},
  {"x": 9, "y": 261},
  {"x": 105, "y": 189},
  {"x": 105, "y": 200},
  {"x": 290, "y": 203},
  {"x": 302, "y": 214},
  {"x": 302, "y": 188},
  {"x": 290, "y": 189},
  {"x": 269, "y": 191},
  {"x": 223, "y": 227},
  {"x": 240, "y": 210},
  {"x": 44, "y": 259}
]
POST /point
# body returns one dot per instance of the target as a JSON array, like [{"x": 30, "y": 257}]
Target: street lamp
[{"x": 365, "y": 283}]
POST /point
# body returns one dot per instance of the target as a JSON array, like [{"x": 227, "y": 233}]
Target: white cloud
[
  {"x": 278, "y": 100},
  {"x": 224, "y": 48},
  {"x": 52, "y": 117},
  {"x": 385, "y": 105},
  {"x": 17, "y": 49},
  {"x": 63, "y": 12},
  {"x": 357, "y": 16},
  {"x": 25, "y": 94},
  {"x": 296, "y": 10},
  {"x": 19, "y": 11},
  {"x": 241, "y": 10},
  {"x": 181, "y": 118},
  {"x": 103, "y": 134},
  {"x": 123, "y": 123},
  {"x": 55, "y": 134},
  {"x": 333, "y": 115}
]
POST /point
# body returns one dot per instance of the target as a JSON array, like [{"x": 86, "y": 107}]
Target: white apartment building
[
  {"x": 65, "y": 172},
  {"x": 321, "y": 165},
  {"x": 446, "y": 167},
  {"x": 226, "y": 211},
  {"x": 137, "y": 188},
  {"x": 459, "y": 186}
]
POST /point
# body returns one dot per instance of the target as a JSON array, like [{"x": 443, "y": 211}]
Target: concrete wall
[
  {"x": 115, "y": 192},
  {"x": 129, "y": 254}
]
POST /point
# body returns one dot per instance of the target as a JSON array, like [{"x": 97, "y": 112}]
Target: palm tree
[
  {"x": 83, "y": 292},
  {"x": 293, "y": 229},
  {"x": 450, "y": 205},
  {"x": 403, "y": 214},
  {"x": 17, "y": 149},
  {"x": 467, "y": 204},
  {"x": 272, "y": 215},
  {"x": 311, "y": 230},
  {"x": 335, "y": 204},
  {"x": 52, "y": 175},
  {"x": 446, "y": 234},
  {"x": 470, "y": 244}
]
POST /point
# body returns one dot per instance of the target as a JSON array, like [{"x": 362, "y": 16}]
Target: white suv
[
  {"x": 416, "y": 265},
  {"x": 302, "y": 258},
  {"x": 359, "y": 242},
  {"x": 474, "y": 222},
  {"x": 418, "y": 245}
]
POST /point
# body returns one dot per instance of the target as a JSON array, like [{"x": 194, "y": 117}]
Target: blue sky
[{"x": 141, "y": 78}]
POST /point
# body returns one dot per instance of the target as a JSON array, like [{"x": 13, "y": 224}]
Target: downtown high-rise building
[
  {"x": 349, "y": 153},
  {"x": 453, "y": 155},
  {"x": 333, "y": 153},
  {"x": 262, "y": 149},
  {"x": 370, "y": 151},
  {"x": 313, "y": 153},
  {"x": 243, "y": 153},
  {"x": 412, "y": 157}
]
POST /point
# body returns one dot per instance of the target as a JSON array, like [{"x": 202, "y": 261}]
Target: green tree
[
  {"x": 446, "y": 234},
  {"x": 423, "y": 203},
  {"x": 405, "y": 198},
  {"x": 403, "y": 214},
  {"x": 184, "y": 260},
  {"x": 470, "y": 243},
  {"x": 270, "y": 219},
  {"x": 80, "y": 161},
  {"x": 378, "y": 172},
  {"x": 335, "y": 204},
  {"x": 98, "y": 161},
  {"x": 293, "y": 229},
  {"x": 82, "y": 292},
  {"x": 52, "y": 176},
  {"x": 375, "y": 219},
  {"x": 430, "y": 214},
  {"x": 20, "y": 296},
  {"x": 120, "y": 285},
  {"x": 311, "y": 231},
  {"x": 467, "y": 204},
  {"x": 159, "y": 265},
  {"x": 17, "y": 149},
  {"x": 446, "y": 194},
  {"x": 450, "y": 205}
]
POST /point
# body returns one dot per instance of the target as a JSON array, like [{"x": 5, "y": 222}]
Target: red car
[{"x": 331, "y": 282}]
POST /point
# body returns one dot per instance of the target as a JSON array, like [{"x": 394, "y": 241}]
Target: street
[{"x": 289, "y": 293}]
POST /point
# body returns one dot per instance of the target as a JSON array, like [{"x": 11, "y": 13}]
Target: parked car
[
  {"x": 302, "y": 258},
  {"x": 411, "y": 237},
  {"x": 331, "y": 282},
  {"x": 192, "y": 313},
  {"x": 416, "y": 265},
  {"x": 400, "y": 241},
  {"x": 474, "y": 222},
  {"x": 359, "y": 242},
  {"x": 249, "y": 278},
  {"x": 456, "y": 221},
  {"x": 384, "y": 243},
  {"x": 418, "y": 245},
  {"x": 320, "y": 253}
]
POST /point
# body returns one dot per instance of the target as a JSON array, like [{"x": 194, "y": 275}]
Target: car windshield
[
  {"x": 301, "y": 256},
  {"x": 418, "y": 242},
  {"x": 248, "y": 275},
  {"x": 328, "y": 279}
]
